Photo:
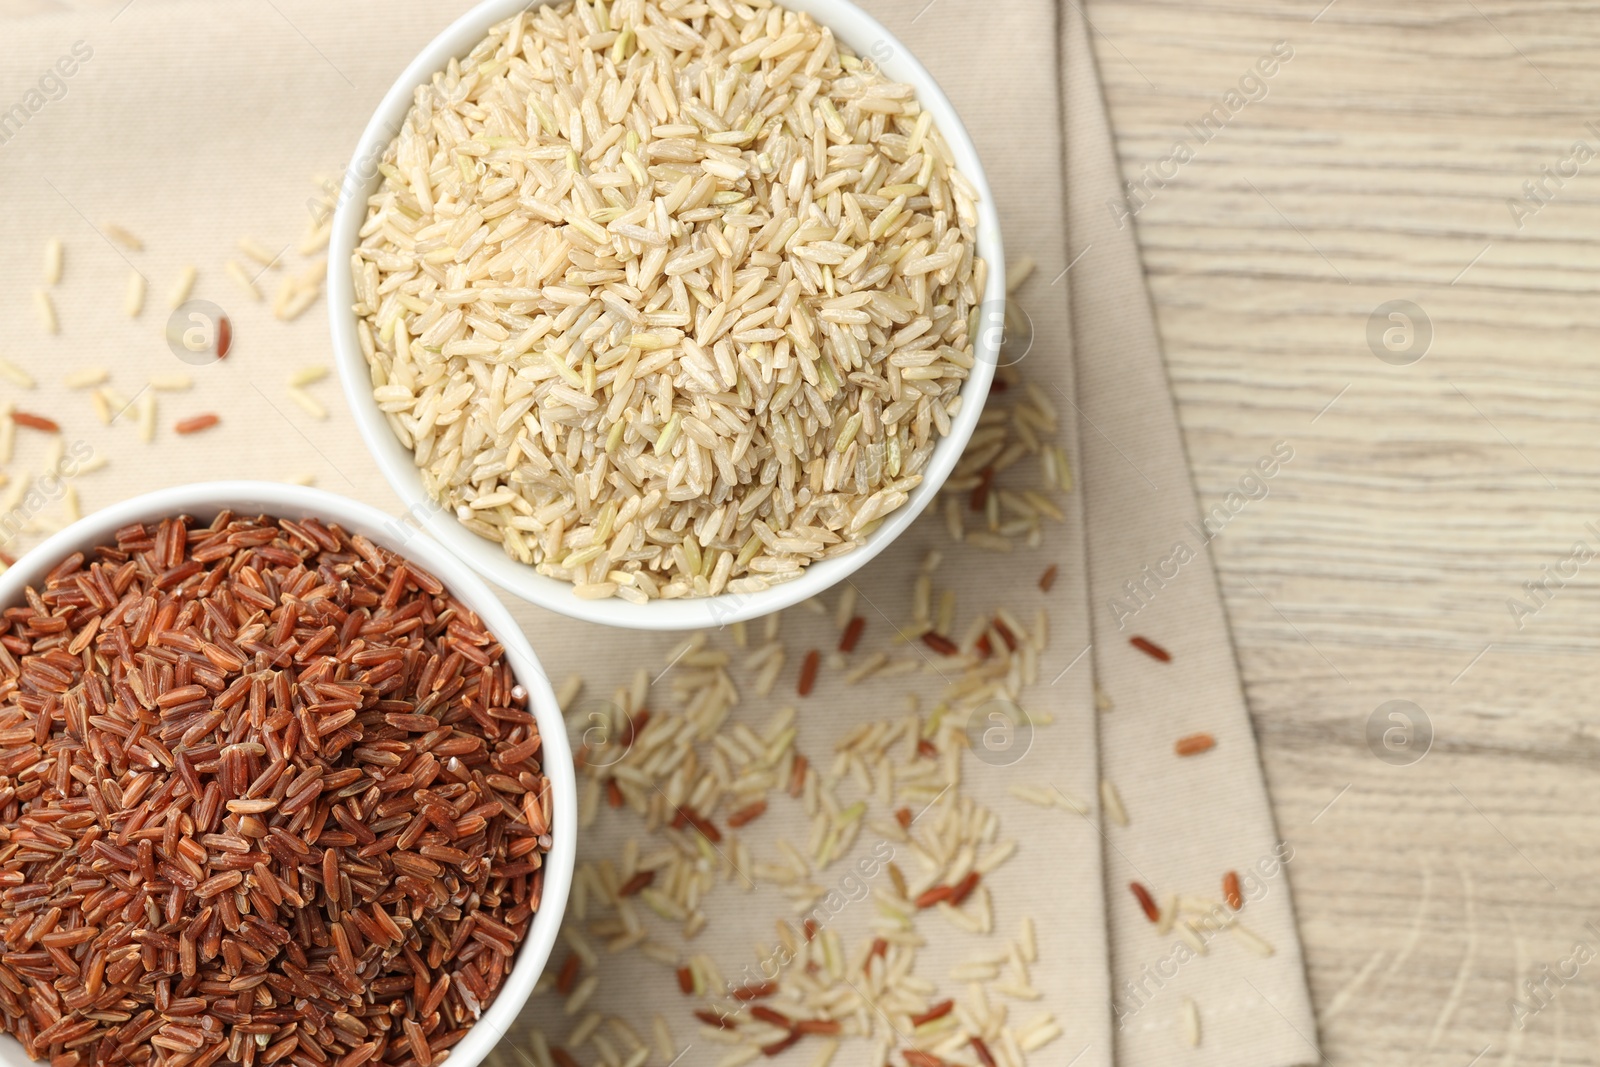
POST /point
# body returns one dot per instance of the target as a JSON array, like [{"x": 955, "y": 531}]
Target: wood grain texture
[{"x": 1378, "y": 166}]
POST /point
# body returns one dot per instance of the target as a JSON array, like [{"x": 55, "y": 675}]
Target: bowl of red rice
[{"x": 279, "y": 783}]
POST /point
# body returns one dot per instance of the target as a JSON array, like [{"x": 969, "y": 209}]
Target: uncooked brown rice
[{"x": 666, "y": 302}]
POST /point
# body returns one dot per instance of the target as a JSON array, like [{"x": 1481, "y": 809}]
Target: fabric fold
[{"x": 1233, "y": 980}]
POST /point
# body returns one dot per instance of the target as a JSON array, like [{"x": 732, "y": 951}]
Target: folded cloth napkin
[
  {"x": 195, "y": 124},
  {"x": 1190, "y": 818}
]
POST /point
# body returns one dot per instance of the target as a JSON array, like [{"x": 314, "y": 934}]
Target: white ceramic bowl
[
  {"x": 866, "y": 37},
  {"x": 204, "y": 501}
]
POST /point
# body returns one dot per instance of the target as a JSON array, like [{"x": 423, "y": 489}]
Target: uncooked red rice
[{"x": 268, "y": 793}]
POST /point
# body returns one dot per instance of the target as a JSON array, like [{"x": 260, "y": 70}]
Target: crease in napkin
[{"x": 1190, "y": 819}]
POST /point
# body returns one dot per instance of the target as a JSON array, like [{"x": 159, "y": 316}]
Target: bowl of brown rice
[
  {"x": 276, "y": 786},
  {"x": 665, "y": 314}
]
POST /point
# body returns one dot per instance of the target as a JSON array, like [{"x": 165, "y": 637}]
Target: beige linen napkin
[
  {"x": 1189, "y": 819},
  {"x": 193, "y": 124}
]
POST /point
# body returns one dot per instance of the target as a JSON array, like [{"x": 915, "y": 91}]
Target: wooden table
[{"x": 1378, "y": 166}]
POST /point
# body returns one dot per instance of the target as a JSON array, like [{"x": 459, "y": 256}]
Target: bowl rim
[
  {"x": 867, "y": 37},
  {"x": 204, "y": 500}
]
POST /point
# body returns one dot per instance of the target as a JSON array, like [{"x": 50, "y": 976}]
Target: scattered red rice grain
[
  {"x": 1047, "y": 580},
  {"x": 1151, "y": 649},
  {"x": 196, "y": 423},
  {"x": 981, "y": 1050},
  {"x": 1230, "y": 890},
  {"x": 797, "y": 776},
  {"x": 782, "y": 1045},
  {"x": 917, "y": 1058},
  {"x": 980, "y": 492},
  {"x": 637, "y": 884},
  {"x": 940, "y": 643},
  {"x": 8, "y": 559},
  {"x": 1146, "y": 901},
  {"x": 755, "y": 991},
  {"x": 819, "y": 1027},
  {"x": 903, "y": 817},
  {"x": 938, "y": 894},
  {"x": 748, "y": 814},
  {"x": 706, "y": 827},
  {"x": 770, "y": 1017},
  {"x": 561, "y": 1057},
  {"x": 35, "y": 422},
  {"x": 1194, "y": 744},
  {"x": 963, "y": 889},
  {"x": 1006, "y": 635},
  {"x": 810, "y": 927},
  {"x": 880, "y": 948},
  {"x": 808, "y": 672},
  {"x": 685, "y": 981},
  {"x": 712, "y": 1019},
  {"x": 224, "y": 337},
  {"x": 938, "y": 1011},
  {"x": 927, "y": 749},
  {"x": 614, "y": 796},
  {"x": 567, "y": 977},
  {"x": 984, "y": 646},
  {"x": 633, "y": 727},
  {"x": 852, "y": 634}
]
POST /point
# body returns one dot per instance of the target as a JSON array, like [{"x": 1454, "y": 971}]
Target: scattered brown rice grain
[
  {"x": 1047, "y": 580},
  {"x": 258, "y": 252},
  {"x": 224, "y": 337},
  {"x": 179, "y": 293},
  {"x": 47, "y": 311},
  {"x": 133, "y": 301},
  {"x": 1252, "y": 940},
  {"x": 147, "y": 417},
  {"x": 236, "y": 271},
  {"x": 52, "y": 261},
  {"x": 15, "y": 375},
  {"x": 1190, "y": 1013},
  {"x": 82, "y": 379},
  {"x": 1111, "y": 801},
  {"x": 937, "y": 1011},
  {"x": 122, "y": 237},
  {"x": 307, "y": 403}
]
